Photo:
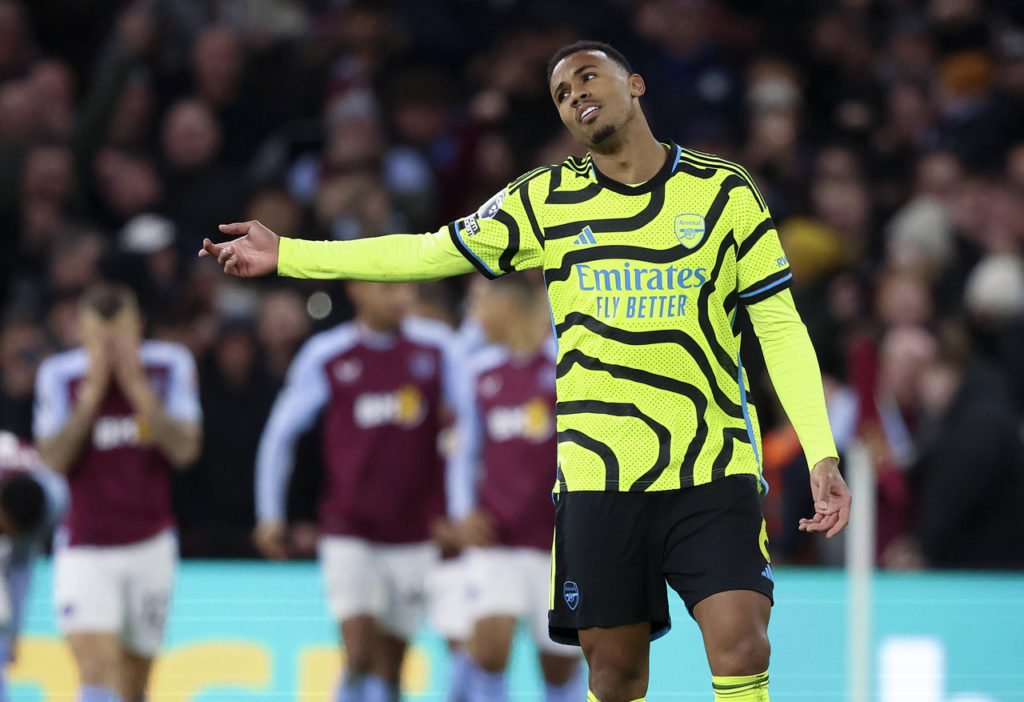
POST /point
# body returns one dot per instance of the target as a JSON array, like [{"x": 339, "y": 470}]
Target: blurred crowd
[{"x": 886, "y": 135}]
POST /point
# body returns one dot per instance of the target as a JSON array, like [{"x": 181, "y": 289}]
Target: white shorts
[
  {"x": 385, "y": 581},
  {"x": 447, "y": 600},
  {"x": 124, "y": 590},
  {"x": 514, "y": 582}
]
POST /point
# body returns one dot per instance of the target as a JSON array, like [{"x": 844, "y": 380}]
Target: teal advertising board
[{"x": 259, "y": 631}]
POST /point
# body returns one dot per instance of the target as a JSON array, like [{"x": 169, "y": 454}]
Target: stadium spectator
[
  {"x": 23, "y": 346},
  {"x": 382, "y": 383},
  {"x": 501, "y": 480},
  {"x": 969, "y": 469},
  {"x": 116, "y": 415},
  {"x": 214, "y": 499},
  {"x": 32, "y": 501}
]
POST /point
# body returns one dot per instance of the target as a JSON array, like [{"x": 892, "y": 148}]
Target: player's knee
[
  {"x": 490, "y": 658},
  {"x": 97, "y": 669},
  {"x": 617, "y": 672},
  {"x": 747, "y": 654},
  {"x": 359, "y": 660}
]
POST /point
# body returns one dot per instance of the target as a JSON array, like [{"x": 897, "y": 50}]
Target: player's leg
[
  {"x": 607, "y": 588},
  {"x": 405, "y": 569},
  {"x": 135, "y": 670},
  {"x": 560, "y": 664},
  {"x": 353, "y": 585},
  {"x": 735, "y": 629},
  {"x": 89, "y": 612},
  {"x": 98, "y": 657},
  {"x": 447, "y": 594},
  {"x": 618, "y": 658},
  {"x": 488, "y": 648},
  {"x": 716, "y": 558},
  {"x": 149, "y": 583}
]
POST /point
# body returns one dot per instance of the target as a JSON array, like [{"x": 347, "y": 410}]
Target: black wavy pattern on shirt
[
  {"x": 660, "y": 382},
  {"x": 599, "y": 253},
  {"x": 704, "y": 314},
  {"x": 623, "y": 224},
  {"x": 656, "y": 336},
  {"x": 512, "y": 248},
  {"x": 603, "y": 451},
  {"x": 626, "y": 409},
  {"x": 724, "y": 457}
]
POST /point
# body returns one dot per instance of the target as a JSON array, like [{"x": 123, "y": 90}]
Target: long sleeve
[
  {"x": 793, "y": 367},
  {"x": 463, "y": 465},
  {"x": 305, "y": 393},
  {"x": 385, "y": 259}
]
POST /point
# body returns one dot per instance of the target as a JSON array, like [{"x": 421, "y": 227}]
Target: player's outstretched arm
[{"x": 386, "y": 259}]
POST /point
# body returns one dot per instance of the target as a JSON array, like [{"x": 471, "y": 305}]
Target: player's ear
[{"x": 637, "y": 87}]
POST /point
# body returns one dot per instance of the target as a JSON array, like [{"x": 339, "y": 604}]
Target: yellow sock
[
  {"x": 591, "y": 697},
  {"x": 740, "y": 688}
]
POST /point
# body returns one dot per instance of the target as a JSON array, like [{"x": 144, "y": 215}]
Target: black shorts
[{"x": 614, "y": 552}]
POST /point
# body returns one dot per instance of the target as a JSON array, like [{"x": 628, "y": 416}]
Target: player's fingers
[
  {"x": 235, "y": 228},
  {"x": 842, "y": 519},
  {"x": 209, "y": 248},
  {"x": 231, "y": 265}
]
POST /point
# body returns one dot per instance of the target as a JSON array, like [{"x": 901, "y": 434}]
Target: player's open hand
[
  {"x": 831, "y": 499},
  {"x": 253, "y": 253}
]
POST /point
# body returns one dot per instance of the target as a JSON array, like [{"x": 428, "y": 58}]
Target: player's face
[
  {"x": 595, "y": 97},
  {"x": 382, "y": 306},
  {"x": 488, "y": 307}
]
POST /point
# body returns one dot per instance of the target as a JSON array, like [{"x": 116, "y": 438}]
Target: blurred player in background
[
  {"x": 504, "y": 473},
  {"x": 116, "y": 416},
  {"x": 32, "y": 500},
  {"x": 384, "y": 383},
  {"x": 650, "y": 252}
]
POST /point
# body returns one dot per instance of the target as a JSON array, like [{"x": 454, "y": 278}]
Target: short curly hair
[{"x": 588, "y": 45}]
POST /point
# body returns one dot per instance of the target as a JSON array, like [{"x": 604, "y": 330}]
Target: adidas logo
[
  {"x": 586, "y": 237},
  {"x": 767, "y": 572}
]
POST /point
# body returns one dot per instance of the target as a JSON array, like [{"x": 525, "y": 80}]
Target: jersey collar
[{"x": 657, "y": 181}]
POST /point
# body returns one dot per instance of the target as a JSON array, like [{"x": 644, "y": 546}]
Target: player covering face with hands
[
  {"x": 116, "y": 416},
  {"x": 648, "y": 250}
]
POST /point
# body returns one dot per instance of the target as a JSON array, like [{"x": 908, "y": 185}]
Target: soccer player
[
  {"x": 116, "y": 416},
  {"x": 649, "y": 250},
  {"x": 503, "y": 473},
  {"x": 32, "y": 500},
  {"x": 382, "y": 382}
]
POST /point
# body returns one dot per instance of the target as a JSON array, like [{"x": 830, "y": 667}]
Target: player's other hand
[
  {"x": 477, "y": 529},
  {"x": 269, "y": 539},
  {"x": 253, "y": 253},
  {"x": 831, "y": 499}
]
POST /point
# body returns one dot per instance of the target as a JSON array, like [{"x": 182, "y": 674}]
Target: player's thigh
[
  {"x": 150, "y": 567},
  {"x": 352, "y": 578},
  {"x": 558, "y": 669},
  {"x": 715, "y": 541},
  {"x": 606, "y": 564},
  {"x": 491, "y": 641},
  {"x": 87, "y": 590},
  {"x": 406, "y": 568},
  {"x": 98, "y": 657},
  {"x": 360, "y": 636},
  {"x": 734, "y": 625}
]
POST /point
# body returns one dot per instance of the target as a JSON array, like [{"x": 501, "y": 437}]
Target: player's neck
[{"x": 633, "y": 159}]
